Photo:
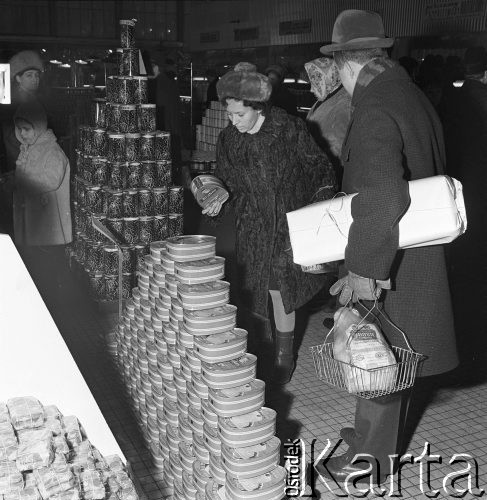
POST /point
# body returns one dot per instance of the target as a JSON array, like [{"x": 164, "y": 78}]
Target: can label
[
  {"x": 132, "y": 147},
  {"x": 128, "y": 62},
  {"x": 127, "y": 285},
  {"x": 111, "y": 286},
  {"x": 116, "y": 148},
  {"x": 141, "y": 89},
  {"x": 128, "y": 119},
  {"x": 176, "y": 199},
  {"x": 130, "y": 203},
  {"x": 160, "y": 200},
  {"x": 117, "y": 176},
  {"x": 127, "y": 33},
  {"x": 99, "y": 146},
  {"x": 131, "y": 230},
  {"x": 128, "y": 256},
  {"x": 147, "y": 147},
  {"x": 110, "y": 259},
  {"x": 146, "y": 202},
  {"x": 99, "y": 170},
  {"x": 146, "y": 229},
  {"x": 175, "y": 224},
  {"x": 115, "y": 225},
  {"x": 163, "y": 173},
  {"x": 147, "y": 118},
  {"x": 94, "y": 200},
  {"x": 114, "y": 207},
  {"x": 133, "y": 175},
  {"x": 163, "y": 146},
  {"x": 140, "y": 252},
  {"x": 147, "y": 177},
  {"x": 161, "y": 230}
]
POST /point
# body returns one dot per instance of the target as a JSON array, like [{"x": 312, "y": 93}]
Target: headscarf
[
  {"x": 34, "y": 113},
  {"x": 323, "y": 76}
]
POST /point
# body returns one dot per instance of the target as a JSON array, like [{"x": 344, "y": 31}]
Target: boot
[{"x": 284, "y": 363}]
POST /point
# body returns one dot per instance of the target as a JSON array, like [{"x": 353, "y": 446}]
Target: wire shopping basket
[{"x": 367, "y": 383}]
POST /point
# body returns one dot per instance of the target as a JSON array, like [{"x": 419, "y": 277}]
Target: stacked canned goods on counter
[
  {"x": 123, "y": 178},
  {"x": 191, "y": 382}
]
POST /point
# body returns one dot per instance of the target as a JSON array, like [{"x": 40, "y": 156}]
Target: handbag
[{"x": 436, "y": 215}]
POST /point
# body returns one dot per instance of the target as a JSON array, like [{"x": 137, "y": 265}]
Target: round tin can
[
  {"x": 116, "y": 147},
  {"x": 127, "y": 33},
  {"x": 132, "y": 147},
  {"x": 117, "y": 175},
  {"x": 99, "y": 169},
  {"x": 94, "y": 257},
  {"x": 140, "y": 252},
  {"x": 133, "y": 175},
  {"x": 99, "y": 113},
  {"x": 163, "y": 172},
  {"x": 147, "y": 146},
  {"x": 110, "y": 259},
  {"x": 110, "y": 286},
  {"x": 97, "y": 285},
  {"x": 175, "y": 224},
  {"x": 146, "y": 229},
  {"x": 161, "y": 230},
  {"x": 111, "y": 89},
  {"x": 128, "y": 118},
  {"x": 146, "y": 203},
  {"x": 128, "y": 61},
  {"x": 85, "y": 170},
  {"x": 127, "y": 284},
  {"x": 176, "y": 200},
  {"x": 163, "y": 145},
  {"x": 141, "y": 89},
  {"x": 114, "y": 207},
  {"x": 113, "y": 117},
  {"x": 94, "y": 199},
  {"x": 126, "y": 90},
  {"x": 147, "y": 117},
  {"x": 128, "y": 256},
  {"x": 147, "y": 176},
  {"x": 131, "y": 230},
  {"x": 99, "y": 146},
  {"x": 161, "y": 200},
  {"x": 130, "y": 203},
  {"x": 85, "y": 139},
  {"x": 115, "y": 226}
]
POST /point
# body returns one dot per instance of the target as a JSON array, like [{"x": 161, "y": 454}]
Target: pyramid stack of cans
[
  {"x": 191, "y": 382},
  {"x": 123, "y": 177}
]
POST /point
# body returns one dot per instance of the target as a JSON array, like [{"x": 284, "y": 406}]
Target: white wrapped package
[{"x": 436, "y": 215}]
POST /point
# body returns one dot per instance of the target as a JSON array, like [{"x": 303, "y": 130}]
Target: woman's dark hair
[{"x": 259, "y": 106}]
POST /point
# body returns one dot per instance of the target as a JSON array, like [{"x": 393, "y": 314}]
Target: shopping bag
[{"x": 436, "y": 215}]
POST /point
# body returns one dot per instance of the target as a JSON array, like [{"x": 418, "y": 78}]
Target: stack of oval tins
[{"x": 192, "y": 382}]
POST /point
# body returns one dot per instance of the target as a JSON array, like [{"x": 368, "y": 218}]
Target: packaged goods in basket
[
  {"x": 207, "y": 188},
  {"x": 11, "y": 480},
  {"x": 8, "y": 441},
  {"x": 360, "y": 344}
]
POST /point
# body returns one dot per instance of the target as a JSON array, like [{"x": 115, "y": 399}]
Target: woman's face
[
  {"x": 26, "y": 131},
  {"x": 29, "y": 80},
  {"x": 243, "y": 117}
]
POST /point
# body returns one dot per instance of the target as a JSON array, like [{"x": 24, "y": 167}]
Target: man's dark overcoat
[
  {"x": 276, "y": 170},
  {"x": 395, "y": 136}
]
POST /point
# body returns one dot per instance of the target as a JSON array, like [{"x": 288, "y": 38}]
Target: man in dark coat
[{"x": 394, "y": 137}]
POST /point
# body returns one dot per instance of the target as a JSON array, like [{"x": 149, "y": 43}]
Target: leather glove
[{"x": 354, "y": 288}]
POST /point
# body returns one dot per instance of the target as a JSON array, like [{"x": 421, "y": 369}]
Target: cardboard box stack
[
  {"x": 214, "y": 121},
  {"x": 191, "y": 382},
  {"x": 45, "y": 455},
  {"x": 123, "y": 178}
]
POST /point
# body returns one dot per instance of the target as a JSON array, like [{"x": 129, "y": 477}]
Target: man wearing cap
[
  {"x": 281, "y": 97},
  {"x": 394, "y": 136}
]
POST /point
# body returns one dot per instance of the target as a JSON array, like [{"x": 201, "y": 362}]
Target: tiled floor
[{"x": 455, "y": 421}]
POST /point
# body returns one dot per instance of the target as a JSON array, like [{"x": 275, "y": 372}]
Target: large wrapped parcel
[{"x": 436, "y": 215}]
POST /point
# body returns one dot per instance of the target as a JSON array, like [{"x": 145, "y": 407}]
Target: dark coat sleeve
[
  {"x": 383, "y": 194},
  {"x": 316, "y": 166}
]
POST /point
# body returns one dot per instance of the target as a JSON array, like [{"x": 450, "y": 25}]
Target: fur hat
[
  {"x": 244, "y": 85},
  {"x": 22, "y": 61},
  {"x": 355, "y": 30}
]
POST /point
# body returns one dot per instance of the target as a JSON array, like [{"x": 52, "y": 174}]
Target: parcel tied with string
[{"x": 436, "y": 215}]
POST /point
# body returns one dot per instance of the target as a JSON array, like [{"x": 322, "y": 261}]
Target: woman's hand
[{"x": 213, "y": 209}]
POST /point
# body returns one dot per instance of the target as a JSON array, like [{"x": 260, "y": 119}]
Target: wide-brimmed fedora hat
[{"x": 355, "y": 30}]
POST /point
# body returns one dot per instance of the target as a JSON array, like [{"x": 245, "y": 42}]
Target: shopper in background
[
  {"x": 270, "y": 165},
  {"x": 42, "y": 216},
  {"x": 395, "y": 136},
  {"x": 329, "y": 117},
  {"x": 281, "y": 97},
  {"x": 25, "y": 71}
]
